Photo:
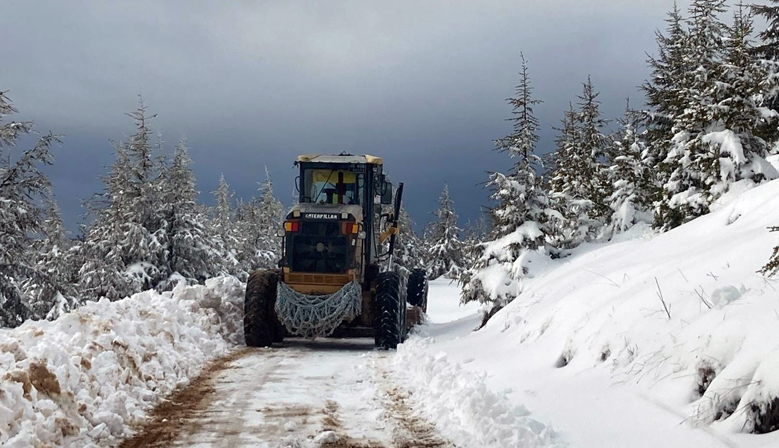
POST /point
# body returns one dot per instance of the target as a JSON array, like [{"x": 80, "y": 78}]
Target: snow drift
[
  {"x": 463, "y": 407},
  {"x": 685, "y": 312},
  {"x": 87, "y": 377}
]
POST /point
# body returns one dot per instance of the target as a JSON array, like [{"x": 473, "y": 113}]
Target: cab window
[{"x": 322, "y": 186}]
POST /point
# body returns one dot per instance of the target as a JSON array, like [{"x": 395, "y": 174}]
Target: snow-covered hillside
[
  {"x": 85, "y": 378},
  {"x": 591, "y": 350}
]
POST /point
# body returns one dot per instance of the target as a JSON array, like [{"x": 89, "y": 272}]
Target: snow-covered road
[{"x": 334, "y": 393}]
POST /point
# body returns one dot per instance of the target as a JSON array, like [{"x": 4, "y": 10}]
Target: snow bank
[
  {"x": 715, "y": 359},
  {"x": 88, "y": 376},
  {"x": 461, "y": 405}
]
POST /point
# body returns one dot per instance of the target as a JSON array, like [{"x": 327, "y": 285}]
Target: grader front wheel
[
  {"x": 260, "y": 325},
  {"x": 388, "y": 329}
]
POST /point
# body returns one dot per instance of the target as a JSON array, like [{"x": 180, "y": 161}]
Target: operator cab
[
  {"x": 340, "y": 180},
  {"x": 333, "y": 230}
]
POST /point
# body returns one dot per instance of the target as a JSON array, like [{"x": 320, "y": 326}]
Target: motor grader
[{"x": 336, "y": 275}]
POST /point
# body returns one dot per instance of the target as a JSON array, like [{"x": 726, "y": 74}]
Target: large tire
[
  {"x": 388, "y": 330},
  {"x": 417, "y": 289},
  {"x": 260, "y": 325}
]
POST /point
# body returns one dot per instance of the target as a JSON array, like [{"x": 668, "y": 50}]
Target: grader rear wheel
[{"x": 417, "y": 289}]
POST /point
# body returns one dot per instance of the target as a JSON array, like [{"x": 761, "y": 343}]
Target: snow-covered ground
[
  {"x": 86, "y": 378},
  {"x": 587, "y": 356},
  {"x": 590, "y": 350},
  {"x": 444, "y": 304}
]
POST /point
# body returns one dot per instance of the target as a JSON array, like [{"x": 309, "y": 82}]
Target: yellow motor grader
[{"x": 336, "y": 273}]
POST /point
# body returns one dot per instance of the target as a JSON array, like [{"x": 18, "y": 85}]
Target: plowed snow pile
[
  {"x": 83, "y": 379},
  {"x": 589, "y": 347}
]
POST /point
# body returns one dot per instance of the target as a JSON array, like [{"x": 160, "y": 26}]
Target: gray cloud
[{"x": 250, "y": 83}]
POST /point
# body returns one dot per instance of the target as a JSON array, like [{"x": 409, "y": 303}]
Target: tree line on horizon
[
  {"x": 712, "y": 119},
  {"x": 144, "y": 230}
]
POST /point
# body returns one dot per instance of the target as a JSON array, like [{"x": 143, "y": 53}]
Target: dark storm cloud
[{"x": 255, "y": 83}]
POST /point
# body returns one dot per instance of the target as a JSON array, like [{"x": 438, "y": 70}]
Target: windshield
[{"x": 323, "y": 186}]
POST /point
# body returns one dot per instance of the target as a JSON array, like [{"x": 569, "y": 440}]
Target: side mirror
[
  {"x": 280, "y": 232},
  {"x": 386, "y": 193},
  {"x": 297, "y": 184}
]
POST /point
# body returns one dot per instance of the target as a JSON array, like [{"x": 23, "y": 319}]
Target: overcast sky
[{"x": 253, "y": 83}]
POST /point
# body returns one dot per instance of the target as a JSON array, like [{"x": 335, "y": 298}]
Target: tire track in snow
[
  {"x": 411, "y": 429},
  {"x": 329, "y": 394},
  {"x": 171, "y": 418}
]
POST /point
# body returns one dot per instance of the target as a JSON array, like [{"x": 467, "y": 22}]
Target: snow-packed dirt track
[{"x": 330, "y": 393}]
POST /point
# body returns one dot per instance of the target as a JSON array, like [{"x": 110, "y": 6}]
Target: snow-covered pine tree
[
  {"x": 769, "y": 46},
  {"x": 54, "y": 256},
  {"x": 145, "y": 187},
  {"x": 630, "y": 200},
  {"x": 103, "y": 273},
  {"x": 520, "y": 217},
  {"x": 745, "y": 122},
  {"x": 666, "y": 96},
  {"x": 768, "y": 52},
  {"x": 570, "y": 223},
  {"x": 718, "y": 136},
  {"x": 409, "y": 247},
  {"x": 444, "y": 257},
  {"x": 259, "y": 223},
  {"x": 191, "y": 252},
  {"x": 476, "y": 234},
  {"x": 127, "y": 244},
  {"x": 24, "y": 191},
  {"x": 592, "y": 148},
  {"x": 519, "y": 194},
  {"x": 692, "y": 160},
  {"x": 223, "y": 227},
  {"x": 271, "y": 220}
]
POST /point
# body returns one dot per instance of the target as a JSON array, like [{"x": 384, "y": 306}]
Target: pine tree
[
  {"x": 520, "y": 218},
  {"x": 769, "y": 48},
  {"x": 409, "y": 247},
  {"x": 444, "y": 256},
  {"x": 271, "y": 218},
  {"x": 717, "y": 137},
  {"x": 24, "y": 193},
  {"x": 103, "y": 273},
  {"x": 768, "y": 53},
  {"x": 52, "y": 255},
  {"x": 592, "y": 150},
  {"x": 258, "y": 222},
  {"x": 630, "y": 201},
  {"x": 692, "y": 161},
  {"x": 520, "y": 195},
  {"x": 223, "y": 227},
  {"x": 570, "y": 223},
  {"x": 191, "y": 251},
  {"x": 127, "y": 244},
  {"x": 743, "y": 118},
  {"x": 665, "y": 93},
  {"x": 476, "y": 234}
]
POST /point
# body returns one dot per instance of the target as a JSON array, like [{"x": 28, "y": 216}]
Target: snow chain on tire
[{"x": 388, "y": 326}]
